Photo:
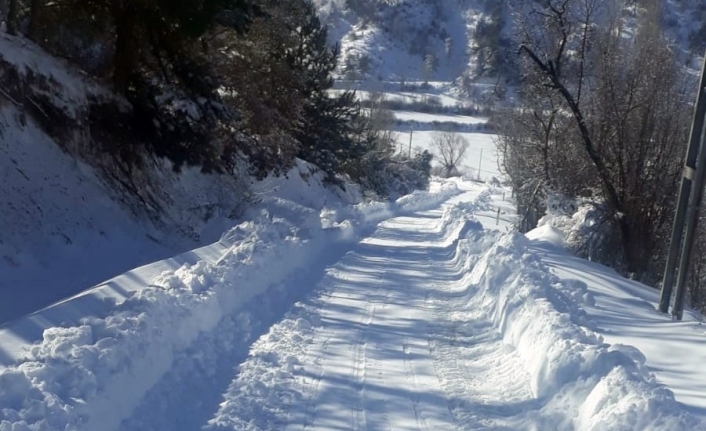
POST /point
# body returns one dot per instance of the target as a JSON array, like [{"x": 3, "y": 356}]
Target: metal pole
[
  {"x": 691, "y": 232},
  {"x": 684, "y": 193},
  {"x": 410, "y": 143}
]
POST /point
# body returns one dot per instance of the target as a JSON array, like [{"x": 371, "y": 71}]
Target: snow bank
[
  {"x": 69, "y": 216},
  {"x": 92, "y": 375},
  {"x": 268, "y": 381},
  {"x": 572, "y": 369},
  {"x": 547, "y": 233}
]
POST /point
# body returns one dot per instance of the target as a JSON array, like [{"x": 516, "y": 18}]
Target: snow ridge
[{"x": 571, "y": 369}]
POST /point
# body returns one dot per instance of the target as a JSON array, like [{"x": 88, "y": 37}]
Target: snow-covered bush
[
  {"x": 395, "y": 176},
  {"x": 586, "y": 226}
]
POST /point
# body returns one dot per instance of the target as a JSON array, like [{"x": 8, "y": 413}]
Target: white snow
[
  {"x": 322, "y": 312},
  {"x": 481, "y": 153},
  {"x": 624, "y": 313},
  {"x": 63, "y": 226},
  {"x": 89, "y": 360},
  {"x": 414, "y": 315},
  {"x": 390, "y": 91},
  {"x": 409, "y": 116}
]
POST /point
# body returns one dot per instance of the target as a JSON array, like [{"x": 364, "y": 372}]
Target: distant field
[{"x": 471, "y": 161}]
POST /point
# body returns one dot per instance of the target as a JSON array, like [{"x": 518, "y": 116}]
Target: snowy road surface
[
  {"x": 393, "y": 348},
  {"x": 415, "y": 330},
  {"x": 423, "y": 320}
]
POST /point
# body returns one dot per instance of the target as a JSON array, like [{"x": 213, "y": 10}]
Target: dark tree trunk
[
  {"x": 35, "y": 15},
  {"x": 11, "y": 20},
  {"x": 613, "y": 198}
]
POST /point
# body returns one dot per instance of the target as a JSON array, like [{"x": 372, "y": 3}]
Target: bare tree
[
  {"x": 451, "y": 148},
  {"x": 617, "y": 104},
  {"x": 381, "y": 120}
]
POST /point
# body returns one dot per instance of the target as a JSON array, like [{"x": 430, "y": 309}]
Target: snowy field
[
  {"x": 481, "y": 153},
  {"x": 418, "y": 117},
  {"x": 317, "y": 313},
  {"x": 434, "y": 94}
]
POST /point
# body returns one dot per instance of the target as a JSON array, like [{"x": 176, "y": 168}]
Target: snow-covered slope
[
  {"x": 624, "y": 313},
  {"x": 314, "y": 312},
  {"x": 392, "y": 40},
  {"x": 472, "y": 42},
  {"x": 66, "y": 220},
  {"x": 404, "y": 315}
]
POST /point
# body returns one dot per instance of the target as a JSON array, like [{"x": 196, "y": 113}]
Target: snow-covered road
[
  {"x": 392, "y": 348},
  {"x": 433, "y": 323},
  {"x": 406, "y": 316}
]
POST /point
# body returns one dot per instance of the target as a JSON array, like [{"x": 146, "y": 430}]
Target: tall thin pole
[
  {"x": 480, "y": 162},
  {"x": 411, "y": 130},
  {"x": 697, "y": 195},
  {"x": 684, "y": 193}
]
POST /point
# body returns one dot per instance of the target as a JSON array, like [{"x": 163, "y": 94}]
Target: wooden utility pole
[{"x": 692, "y": 176}]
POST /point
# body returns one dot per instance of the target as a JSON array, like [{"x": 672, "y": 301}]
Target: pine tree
[{"x": 327, "y": 134}]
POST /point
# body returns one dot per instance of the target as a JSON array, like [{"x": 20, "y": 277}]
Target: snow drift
[
  {"x": 92, "y": 375},
  {"x": 572, "y": 369}
]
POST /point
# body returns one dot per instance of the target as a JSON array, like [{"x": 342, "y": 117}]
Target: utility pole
[
  {"x": 480, "y": 162},
  {"x": 411, "y": 130},
  {"x": 691, "y": 233},
  {"x": 685, "y": 192}
]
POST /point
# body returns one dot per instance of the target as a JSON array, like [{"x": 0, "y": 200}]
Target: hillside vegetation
[{"x": 133, "y": 131}]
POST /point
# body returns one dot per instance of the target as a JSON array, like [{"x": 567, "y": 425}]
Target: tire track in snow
[
  {"x": 386, "y": 284},
  {"x": 485, "y": 379},
  {"x": 361, "y": 353},
  {"x": 369, "y": 360}
]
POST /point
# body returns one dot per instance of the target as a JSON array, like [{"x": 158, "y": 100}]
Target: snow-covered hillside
[
  {"x": 400, "y": 40},
  {"x": 472, "y": 43},
  {"x": 66, "y": 219},
  {"x": 315, "y": 313}
]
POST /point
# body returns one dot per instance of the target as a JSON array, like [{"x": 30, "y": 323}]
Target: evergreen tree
[{"x": 327, "y": 134}]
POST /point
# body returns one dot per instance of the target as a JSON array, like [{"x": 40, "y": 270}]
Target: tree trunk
[
  {"x": 35, "y": 15},
  {"x": 11, "y": 19},
  {"x": 614, "y": 201}
]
